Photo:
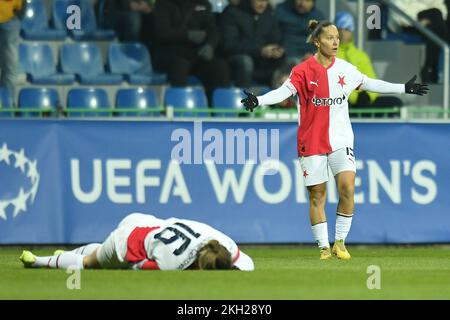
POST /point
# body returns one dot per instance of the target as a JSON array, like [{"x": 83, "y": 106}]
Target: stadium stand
[
  {"x": 35, "y": 23},
  {"x": 89, "y": 30},
  {"x": 133, "y": 61},
  {"x": 52, "y": 56},
  {"x": 47, "y": 100},
  {"x": 87, "y": 101},
  {"x": 36, "y": 60},
  {"x": 228, "y": 98},
  {"x": 85, "y": 60},
  {"x": 132, "y": 98},
  {"x": 186, "y": 98}
]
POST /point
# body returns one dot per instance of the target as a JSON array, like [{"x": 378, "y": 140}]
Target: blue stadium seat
[
  {"x": 38, "y": 98},
  {"x": 85, "y": 60},
  {"x": 133, "y": 60},
  {"x": 35, "y": 23},
  {"x": 36, "y": 60},
  {"x": 228, "y": 98},
  {"x": 186, "y": 98},
  {"x": 87, "y": 98},
  {"x": 5, "y": 102},
  {"x": 144, "y": 99},
  {"x": 59, "y": 13},
  {"x": 88, "y": 29}
]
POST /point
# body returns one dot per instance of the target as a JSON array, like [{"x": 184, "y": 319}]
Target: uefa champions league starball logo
[{"x": 27, "y": 167}]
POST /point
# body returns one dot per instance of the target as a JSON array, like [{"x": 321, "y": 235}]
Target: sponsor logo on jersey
[
  {"x": 328, "y": 102},
  {"x": 315, "y": 83}
]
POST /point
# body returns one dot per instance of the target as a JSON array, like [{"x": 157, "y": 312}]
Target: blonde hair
[{"x": 213, "y": 256}]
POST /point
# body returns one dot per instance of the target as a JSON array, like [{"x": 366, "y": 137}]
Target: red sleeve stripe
[
  {"x": 135, "y": 244},
  {"x": 237, "y": 256},
  {"x": 150, "y": 265}
]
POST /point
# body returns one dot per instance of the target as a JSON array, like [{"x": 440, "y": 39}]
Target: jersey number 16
[{"x": 178, "y": 234}]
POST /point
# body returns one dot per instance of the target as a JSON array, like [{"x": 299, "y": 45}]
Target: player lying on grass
[
  {"x": 322, "y": 85},
  {"x": 145, "y": 242}
]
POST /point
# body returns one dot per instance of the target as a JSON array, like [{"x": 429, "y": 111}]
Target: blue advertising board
[{"x": 69, "y": 181}]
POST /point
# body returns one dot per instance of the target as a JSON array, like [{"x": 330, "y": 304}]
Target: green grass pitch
[{"x": 282, "y": 272}]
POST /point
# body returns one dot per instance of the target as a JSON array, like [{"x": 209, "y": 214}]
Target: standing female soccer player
[
  {"x": 145, "y": 242},
  {"x": 325, "y": 137}
]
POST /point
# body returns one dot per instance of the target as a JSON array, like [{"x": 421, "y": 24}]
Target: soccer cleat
[
  {"x": 58, "y": 252},
  {"x": 27, "y": 258},
  {"x": 325, "y": 253},
  {"x": 340, "y": 251}
]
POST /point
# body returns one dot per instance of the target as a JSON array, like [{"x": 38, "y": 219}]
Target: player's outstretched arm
[
  {"x": 381, "y": 86},
  {"x": 251, "y": 102},
  {"x": 411, "y": 87},
  {"x": 271, "y": 97}
]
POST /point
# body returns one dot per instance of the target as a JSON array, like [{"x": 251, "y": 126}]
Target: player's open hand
[
  {"x": 251, "y": 102},
  {"x": 416, "y": 88}
]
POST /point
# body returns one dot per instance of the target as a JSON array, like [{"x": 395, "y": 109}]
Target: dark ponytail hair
[{"x": 316, "y": 28}]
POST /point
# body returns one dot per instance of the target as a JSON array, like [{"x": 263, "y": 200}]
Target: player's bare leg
[
  {"x": 91, "y": 262},
  {"x": 317, "y": 197},
  {"x": 346, "y": 188}
]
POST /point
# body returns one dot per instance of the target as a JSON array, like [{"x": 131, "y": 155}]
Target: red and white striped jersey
[{"x": 324, "y": 123}]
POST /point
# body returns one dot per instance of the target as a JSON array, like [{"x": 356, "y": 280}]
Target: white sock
[
  {"x": 60, "y": 261},
  {"x": 320, "y": 232},
  {"x": 87, "y": 249},
  {"x": 343, "y": 224}
]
